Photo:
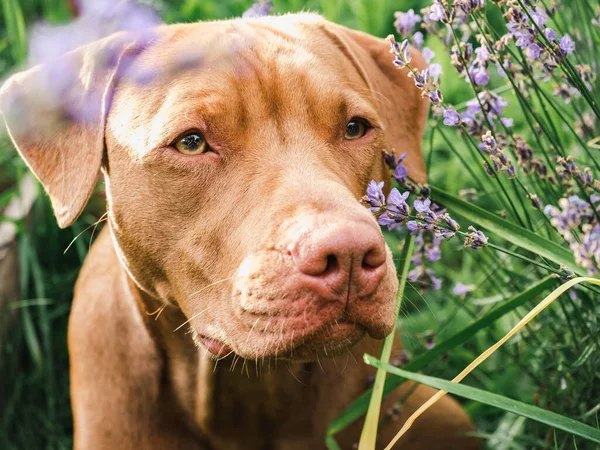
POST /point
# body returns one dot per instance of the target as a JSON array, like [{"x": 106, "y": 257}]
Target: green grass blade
[
  {"x": 331, "y": 443},
  {"x": 368, "y": 436},
  {"x": 359, "y": 406},
  {"x": 508, "y": 231},
  {"x": 507, "y": 404}
]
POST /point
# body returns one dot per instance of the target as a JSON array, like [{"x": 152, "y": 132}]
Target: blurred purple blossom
[
  {"x": 550, "y": 34},
  {"x": 566, "y": 45},
  {"x": 406, "y": 21},
  {"x": 576, "y": 222},
  {"x": 425, "y": 250},
  {"x": 468, "y": 6},
  {"x": 259, "y": 9},
  {"x": 98, "y": 19},
  {"x": 428, "y": 54},
  {"x": 436, "y": 12},
  {"x": 418, "y": 40},
  {"x": 462, "y": 290}
]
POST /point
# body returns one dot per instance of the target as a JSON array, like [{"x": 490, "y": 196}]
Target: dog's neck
[{"x": 276, "y": 394}]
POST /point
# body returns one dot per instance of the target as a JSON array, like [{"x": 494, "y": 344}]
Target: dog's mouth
[
  {"x": 330, "y": 340},
  {"x": 215, "y": 347}
]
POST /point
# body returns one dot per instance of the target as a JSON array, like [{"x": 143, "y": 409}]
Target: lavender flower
[
  {"x": 566, "y": 45},
  {"x": 550, "y": 34},
  {"x": 462, "y": 290},
  {"x": 436, "y": 12},
  {"x": 425, "y": 250},
  {"x": 400, "y": 52},
  {"x": 259, "y": 9},
  {"x": 418, "y": 40},
  {"x": 451, "y": 118},
  {"x": 97, "y": 20},
  {"x": 428, "y": 54},
  {"x": 406, "y": 21},
  {"x": 425, "y": 80},
  {"x": 577, "y": 214},
  {"x": 475, "y": 239},
  {"x": 375, "y": 196},
  {"x": 397, "y": 210},
  {"x": 401, "y": 174},
  {"x": 468, "y": 6}
]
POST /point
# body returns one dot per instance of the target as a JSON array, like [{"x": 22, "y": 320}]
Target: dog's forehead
[
  {"x": 234, "y": 71},
  {"x": 210, "y": 49}
]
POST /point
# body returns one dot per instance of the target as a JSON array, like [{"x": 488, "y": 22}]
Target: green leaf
[
  {"x": 508, "y": 231},
  {"x": 368, "y": 437},
  {"x": 507, "y": 404},
  {"x": 359, "y": 406}
]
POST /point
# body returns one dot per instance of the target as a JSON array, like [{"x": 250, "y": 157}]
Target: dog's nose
[{"x": 341, "y": 252}]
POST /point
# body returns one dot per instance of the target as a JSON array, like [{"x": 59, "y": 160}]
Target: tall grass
[{"x": 553, "y": 363}]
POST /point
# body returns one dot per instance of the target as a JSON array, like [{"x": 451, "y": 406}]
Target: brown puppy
[{"x": 234, "y": 154}]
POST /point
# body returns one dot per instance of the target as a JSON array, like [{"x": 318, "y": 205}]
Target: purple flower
[
  {"x": 566, "y": 45},
  {"x": 468, "y": 6},
  {"x": 400, "y": 52},
  {"x": 550, "y": 34},
  {"x": 401, "y": 174},
  {"x": 428, "y": 54},
  {"x": 452, "y": 224},
  {"x": 375, "y": 195},
  {"x": 413, "y": 226},
  {"x": 539, "y": 17},
  {"x": 480, "y": 76},
  {"x": 97, "y": 20},
  {"x": 397, "y": 210},
  {"x": 391, "y": 160},
  {"x": 259, "y": 9},
  {"x": 436, "y": 12},
  {"x": 462, "y": 290},
  {"x": 475, "y": 239},
  {"x": 443, "y": 234},
  {"x": 451, "y": 118},
  {"x": 396, "y": 202},
  {"x": 422, "y": 206},
  {"x": 435, "y": 97},
  {"x": 418, "y": 40},
  {"x": 533, "y": 52},
  {"x": 406, "y": 21},
  {"x": 435, "y": 70}
]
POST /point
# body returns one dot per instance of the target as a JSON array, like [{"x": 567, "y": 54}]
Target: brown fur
[{"x": 204, "y": 240}]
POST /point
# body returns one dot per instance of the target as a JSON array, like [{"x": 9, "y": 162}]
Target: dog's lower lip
[{"x": 215, "y": 347}]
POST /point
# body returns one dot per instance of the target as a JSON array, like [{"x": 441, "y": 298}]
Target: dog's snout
[{"x": 337, "y": 252}]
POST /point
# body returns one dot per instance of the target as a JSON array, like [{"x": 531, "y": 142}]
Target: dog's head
[{"x": 234, "y": 154}]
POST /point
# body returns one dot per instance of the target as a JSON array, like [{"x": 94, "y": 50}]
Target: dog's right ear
[{"x": 55, "y": 114}]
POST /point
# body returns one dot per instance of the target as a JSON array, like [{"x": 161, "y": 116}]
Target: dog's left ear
[
  {"x": 400, "y": 104},
  {"x": 55, "y": 114}
]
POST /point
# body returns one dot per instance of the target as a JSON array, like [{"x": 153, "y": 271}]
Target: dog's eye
[
  {"x": 355, "y": 129},
  {"x": 191, "y": 144}
]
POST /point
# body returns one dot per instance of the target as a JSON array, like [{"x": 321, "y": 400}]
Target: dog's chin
[{"x": 332, "y": 340}]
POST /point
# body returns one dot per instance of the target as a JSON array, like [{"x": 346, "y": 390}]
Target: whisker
[
  {"x": 294, "y": 375},
  {"x": 192, "y": 318},
  {"x": 157, "y": 312},
  {"x": 102, "y": 218},
  {"x": 210, "y": 285}
]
